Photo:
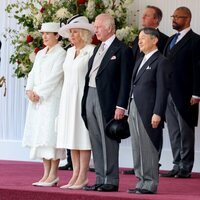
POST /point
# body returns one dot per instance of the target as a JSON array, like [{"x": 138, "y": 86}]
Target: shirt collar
[
  {"x": 109, "y": 41},
  {"x": 148, "y": 55},
  {"x": 183, "y": 33}
]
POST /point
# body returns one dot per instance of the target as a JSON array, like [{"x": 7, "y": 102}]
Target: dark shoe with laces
[
  {"x": 171, "y": 173},
  {"x": 108, "y": 188},
  {"x": 183, "y": 174},
  {"x": 128, "y": 172},
  {"x": 68, "y": 166},
  {"x": 145, "y": 191},
  {"x": 92, "y": 187},
  {"x": 91, "y": 169}
]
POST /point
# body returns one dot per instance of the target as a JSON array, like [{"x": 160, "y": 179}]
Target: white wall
[{"x": 13, "y": 106}]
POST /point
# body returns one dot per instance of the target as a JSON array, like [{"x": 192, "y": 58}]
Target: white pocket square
[
  {"x": 148, "y": 68},
  {"x": 113, "y": 58}
]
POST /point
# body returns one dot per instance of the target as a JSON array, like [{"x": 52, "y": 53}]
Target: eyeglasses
[{"x": 178, "y": 17}]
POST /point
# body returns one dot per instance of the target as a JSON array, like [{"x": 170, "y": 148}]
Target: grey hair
[{"x": 109, "y": 21}]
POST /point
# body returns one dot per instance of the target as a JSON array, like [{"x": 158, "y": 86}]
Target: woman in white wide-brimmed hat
[
  {"x": 72, "y": 133},
  {"x": 43, "y": 89}
]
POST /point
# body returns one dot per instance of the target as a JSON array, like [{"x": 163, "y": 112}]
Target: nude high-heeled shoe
[
  {"x": 78, "y": 187},
  {"x": 50, "y": 184},
  {"x": 36, "y": 183},
  {"x": 66, "y": 186}
]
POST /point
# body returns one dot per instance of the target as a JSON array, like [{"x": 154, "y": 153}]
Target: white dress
[
  {"x": 46, "y": 79},
  {"x": 72, "y": 133}
]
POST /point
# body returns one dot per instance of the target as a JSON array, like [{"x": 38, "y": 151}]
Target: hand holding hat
[{"x": 118, "y": 129}]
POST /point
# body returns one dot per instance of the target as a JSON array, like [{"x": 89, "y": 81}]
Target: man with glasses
[{"x": 182, "y": 50}]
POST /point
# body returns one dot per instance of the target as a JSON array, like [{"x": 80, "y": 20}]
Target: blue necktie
[{"x": 173, "y": 42}]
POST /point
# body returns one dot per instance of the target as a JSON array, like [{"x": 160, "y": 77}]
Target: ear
[
  {"x": 110, "y": 30},
  {"x": 57, "y": 36},
  {"x": 155, "y": 40}
]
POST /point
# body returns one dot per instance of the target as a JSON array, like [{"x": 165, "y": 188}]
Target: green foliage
[{"x": 30, "y": 15}]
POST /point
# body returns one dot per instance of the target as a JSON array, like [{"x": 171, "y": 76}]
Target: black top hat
[{"x": 118, "y": 129}]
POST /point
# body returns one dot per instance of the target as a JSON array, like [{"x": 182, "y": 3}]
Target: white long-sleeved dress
[
  {"x": 46, "y": 79},
  {"x": 72, "y": 133}
]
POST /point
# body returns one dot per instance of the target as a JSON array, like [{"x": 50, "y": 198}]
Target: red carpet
[{"x": 16, "y": 178}]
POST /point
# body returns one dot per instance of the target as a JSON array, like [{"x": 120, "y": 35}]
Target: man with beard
[{"x": 182, "y": 50}]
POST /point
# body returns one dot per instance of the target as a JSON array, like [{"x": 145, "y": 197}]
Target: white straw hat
[
  {"x": 51, "y": 27},
  {"x": 76, "y": 21}
]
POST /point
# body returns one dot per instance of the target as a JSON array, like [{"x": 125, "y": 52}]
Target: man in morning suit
[
  {"x": 182, "y": 50},
  {"x": 152, "y": 17},
  {"x": 149, "y": 92},
  {"x": 106, "y": 97}
]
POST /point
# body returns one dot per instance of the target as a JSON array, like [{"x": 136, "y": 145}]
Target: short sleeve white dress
[
  {"x": 46, "y": 79},
  {"x": 72, "y": 133}
]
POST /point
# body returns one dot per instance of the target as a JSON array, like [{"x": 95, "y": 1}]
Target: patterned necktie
[
  {"x": 173, "y": 42},
  {"x": 101, "y": 48}
]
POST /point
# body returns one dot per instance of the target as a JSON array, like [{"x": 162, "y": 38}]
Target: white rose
[
  {"x": 32, "y": 57},
  {"x": 90, "y": 10},
  {"x": 127, "y": 3},
  {"x": 23, "y": 67},
  {"x": 110, "y": 11},
  {"x": 63, "y": 13}
]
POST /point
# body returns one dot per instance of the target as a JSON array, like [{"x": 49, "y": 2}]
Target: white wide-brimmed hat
[
  {"x": 51, "y": 27},
  {"x": 76, "y": 21}
]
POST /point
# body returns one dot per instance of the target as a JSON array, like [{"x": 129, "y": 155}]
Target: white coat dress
[
  {"x": 72, "y": 133},
  {"x": 46, "y": 79}
]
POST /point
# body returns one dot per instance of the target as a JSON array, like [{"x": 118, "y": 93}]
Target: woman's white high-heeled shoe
[
  {"x": 36, "y": 183},
  {"x": 66, "y": 186},
  {"x": 78, "y": 187},
  {"x": 50, "y": 184}
]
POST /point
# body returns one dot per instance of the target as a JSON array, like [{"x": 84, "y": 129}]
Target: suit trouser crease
[
  {"x": 181, "y": 137},
  {"x": 105, "y": 150},
  {"x": 145, "y": 155}
]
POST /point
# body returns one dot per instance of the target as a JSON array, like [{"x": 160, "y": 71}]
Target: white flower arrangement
[{"x": 30, "y": 14}]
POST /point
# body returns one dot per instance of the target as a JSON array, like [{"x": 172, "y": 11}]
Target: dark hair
[
  {"x": 150, "y": 31},
  {"x": 60, "y": 37},
  {"x": 158, "y": 12},
  {"x": 186, "y": 10}
]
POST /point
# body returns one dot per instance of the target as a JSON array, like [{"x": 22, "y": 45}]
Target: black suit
[
  {"x": 137, "y": 54},
  {"x": 112, "y": 89},
  {"x": 150, "y": 87},
  {"x": 185, "y": 58},
  {"x": 112, "y": 80}
]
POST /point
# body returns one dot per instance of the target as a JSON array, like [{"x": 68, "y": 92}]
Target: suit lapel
[
  {"x": 137, "y": 64},
  {"x": 172, "y": 52},
  {"x": 114, "y": 47},
  {"x": 148, "y": 63}
]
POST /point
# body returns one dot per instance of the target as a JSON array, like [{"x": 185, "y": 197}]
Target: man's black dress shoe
[
  {"x": 108, "y": 188},
  {"x": 135, "y": 190},
  {"x": 128, "y": 172},
  {"x": 183, "y": 174},
  {"x": 91, "y": 169},
  {"x": 92, "y": 187},
  {"x": 171, "y": 173},
  {"x": 144, "y": 191},
  {"x": 68, "y": 166}
]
